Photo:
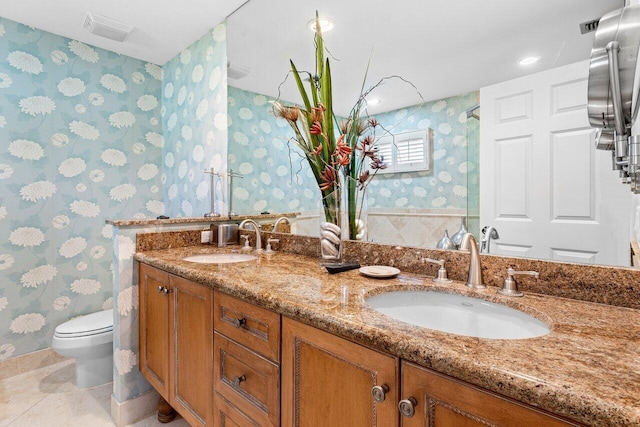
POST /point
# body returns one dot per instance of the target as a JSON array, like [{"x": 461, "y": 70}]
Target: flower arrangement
[{"x": 332, "y": 147}]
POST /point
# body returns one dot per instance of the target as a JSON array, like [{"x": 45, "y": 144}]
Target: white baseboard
[{"x": 135, "y": 409}]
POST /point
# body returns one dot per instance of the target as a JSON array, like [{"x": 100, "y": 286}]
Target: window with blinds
[{"x": 406, "y": 152}]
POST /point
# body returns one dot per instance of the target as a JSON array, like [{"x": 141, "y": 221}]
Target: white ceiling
[
  {"x": 445, "y": 48},
  {"x": 162, "y": 27}
]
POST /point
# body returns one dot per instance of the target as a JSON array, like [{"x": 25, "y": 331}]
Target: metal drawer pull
[
  {"x": 238, "y": 380},
  {"x": 379, "y": 392},
  {"x": 239, "y": 323},
  {"x": 408, "y": 407}
]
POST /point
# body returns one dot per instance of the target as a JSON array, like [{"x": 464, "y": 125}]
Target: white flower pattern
[
  {"x": 72, "y": 247},
  {"x": 26, "y": 150},
  {"x": 122, "y": 119},
  {"x": 26, "y": 237},
  {"x": 84, "y": 52},
  {"x": 38, "y": 191},
  {"x": 124, "y": 360},
  {"x": 85, "y": 286},
  {"x": 84, "y": 130},
  {"x": 37, "y": 105},
  {"x": 27, "y": 323},
  {"x": 25, "y": 62},
  {"x": 84, "y": 208},
  {"x": 113, "y": 83},
  {"x": 38, "y": 276}
]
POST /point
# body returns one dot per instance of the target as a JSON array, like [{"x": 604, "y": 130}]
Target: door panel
[{"x": 543, "y": 185}]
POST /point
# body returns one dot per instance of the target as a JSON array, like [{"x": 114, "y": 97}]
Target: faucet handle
[
  {"x": 268, "y": 250},
  {"x": 442, "y": 271},
  {"x": 246, "y": 247},
  {"x": 510, "y": 287}
]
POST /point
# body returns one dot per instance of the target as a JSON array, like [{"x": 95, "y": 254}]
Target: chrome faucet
[
  {"x": 278, "y": 221},
  {"x": 488, "y": 233},
  {"x": 469, "y": 243},
  {"x": 256, "y": 227}
]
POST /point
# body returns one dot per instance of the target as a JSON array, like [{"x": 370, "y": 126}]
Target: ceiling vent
[
  {"x": 106, "y": 27},
  {"x": 236, "y": 72}
]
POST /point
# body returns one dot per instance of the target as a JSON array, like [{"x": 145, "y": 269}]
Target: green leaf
[
  {"x": 327, "y": 99},
  {"x": 319, "y": 48},
  {"x": 303, "y": 93}
]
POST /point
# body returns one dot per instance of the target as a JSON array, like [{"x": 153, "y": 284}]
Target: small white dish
[{"x": 379, "y": 271}]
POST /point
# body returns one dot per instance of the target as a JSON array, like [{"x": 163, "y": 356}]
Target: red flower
[
  {"x": 328, "y": 178},
  {"x": 342, "y": 148},
  {"x": 315, "y": 128}
]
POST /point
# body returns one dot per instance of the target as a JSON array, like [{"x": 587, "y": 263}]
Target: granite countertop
[
  {"x": 191, "y": 220},
  {"x": 587, "y": 369}
]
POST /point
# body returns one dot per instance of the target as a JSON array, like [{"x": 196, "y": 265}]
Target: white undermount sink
[
  {"x": 219, "y": 258},
  {"x": 458, "y": 314}
]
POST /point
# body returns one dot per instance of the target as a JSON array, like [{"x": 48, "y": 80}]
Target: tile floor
[{"x": 48, "y": 396}]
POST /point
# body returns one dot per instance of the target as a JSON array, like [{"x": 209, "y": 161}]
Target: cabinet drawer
[
  {"x": 253, "y": 327},
  {"x": 228, "y": 415},
  {"x": 247, "y": 380}
]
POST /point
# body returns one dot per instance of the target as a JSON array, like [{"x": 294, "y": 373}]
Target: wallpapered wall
[
  {"x": 194, "y": 119},
  {"x": 80, "y": 142},
  {"x": 194, "y": 127},
  {"x": 276, "y": 177},
  {"x": 258, "y": 148}
]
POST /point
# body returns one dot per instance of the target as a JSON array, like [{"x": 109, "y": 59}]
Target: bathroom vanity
[{"x": 287, "y": 347}]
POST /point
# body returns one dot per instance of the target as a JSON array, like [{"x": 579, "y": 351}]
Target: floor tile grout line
[{"x": 44, "y": 397}]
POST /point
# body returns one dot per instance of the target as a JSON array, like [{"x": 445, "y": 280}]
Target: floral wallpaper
[
  {"x": 80, "y": 142},
  {"x": 445, "y": 185},
  {"x": 194, "y": 121},
  {"x": 258, "y": 148},
  {"x": 276, "y": 176}
]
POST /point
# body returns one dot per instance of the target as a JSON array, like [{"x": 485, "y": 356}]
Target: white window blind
[{"x": 406, "y": 152}]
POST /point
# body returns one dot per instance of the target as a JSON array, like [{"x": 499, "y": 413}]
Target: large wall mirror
[{"x": 447, "y": 51}]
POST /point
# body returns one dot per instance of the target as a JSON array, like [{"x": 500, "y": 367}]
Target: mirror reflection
[{"x": 449, "y": 53}]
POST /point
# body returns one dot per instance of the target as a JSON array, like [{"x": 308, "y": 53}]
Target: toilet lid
[{"x": 90, "y": 324}]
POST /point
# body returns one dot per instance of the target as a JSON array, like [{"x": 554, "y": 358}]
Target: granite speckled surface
[
  {"x": 191, "y": 220},
  {"x": 587, "y": 369}
]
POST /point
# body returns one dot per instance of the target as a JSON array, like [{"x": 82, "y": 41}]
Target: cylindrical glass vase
[{"x": 331, "y": 228}]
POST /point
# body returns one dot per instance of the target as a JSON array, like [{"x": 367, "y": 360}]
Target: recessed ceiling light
[
  {"x": 529, "y": 60},
  {"x": 373, "y": 101},
  {"x": 326, "y": 24}
]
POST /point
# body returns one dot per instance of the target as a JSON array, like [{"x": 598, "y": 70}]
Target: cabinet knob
[
  {"x": 408, "y": 407},
  {"x": 239, "y": 323},
  {"x": 166, "y": 291},
  {"x": 237, "y": 380},
  {"x": 379, "y": 392},
  {"x": 160, "y": 288}
]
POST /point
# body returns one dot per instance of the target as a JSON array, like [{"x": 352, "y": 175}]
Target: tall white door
[{"x": 543, "y": 185}]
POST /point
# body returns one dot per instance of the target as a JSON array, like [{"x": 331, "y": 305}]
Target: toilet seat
[{"x": 88, "y": 325}]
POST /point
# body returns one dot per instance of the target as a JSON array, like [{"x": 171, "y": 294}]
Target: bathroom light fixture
[
  {"x": 106, "y": 27},
  {"x": 373, "y": 101},
  {"x": 529, "y": 60},
  {"x": 326, "y": 24}
]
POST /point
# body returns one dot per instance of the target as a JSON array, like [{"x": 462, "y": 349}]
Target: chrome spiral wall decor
[{"x": 613, "y": 90}]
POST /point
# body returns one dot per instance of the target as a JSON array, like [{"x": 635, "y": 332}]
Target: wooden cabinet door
[
  {"x": 327, "y": 381},
  {"x": 191, "y": 361},
  {"x": 154, "y": 327},
  {"x": 442, "y": 401}
]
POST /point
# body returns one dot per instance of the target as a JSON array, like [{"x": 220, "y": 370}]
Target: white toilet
[{"x": 89, "y": 340}]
